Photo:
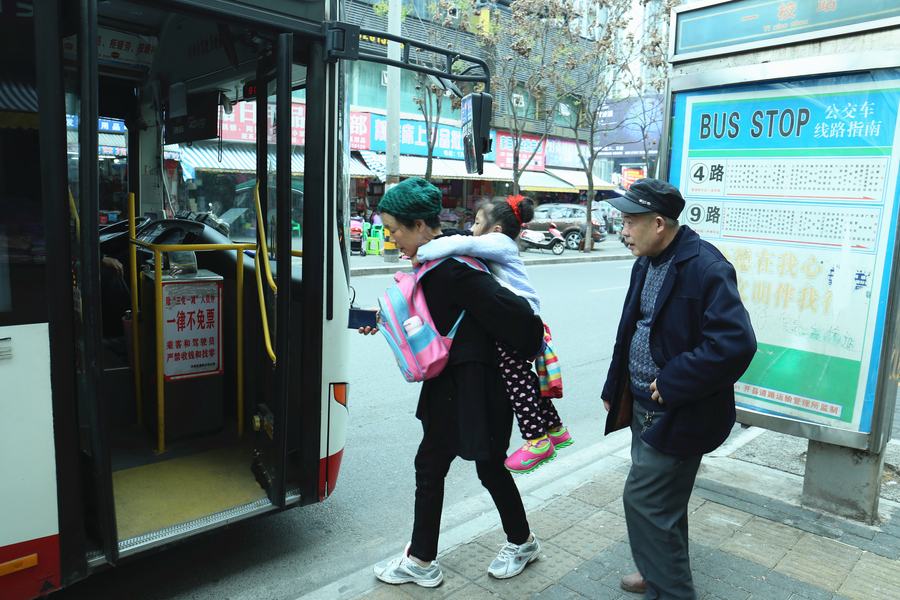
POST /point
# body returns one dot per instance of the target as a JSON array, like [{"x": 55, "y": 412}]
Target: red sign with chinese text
[
  {"x": 192, "y": 317},
  {"x": 504, "y": 152}
]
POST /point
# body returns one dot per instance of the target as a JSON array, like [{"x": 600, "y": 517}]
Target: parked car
[{"x": 569, "y": 219}]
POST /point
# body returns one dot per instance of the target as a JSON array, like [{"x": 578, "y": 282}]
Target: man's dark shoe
[{"x": 634, "y": 583}]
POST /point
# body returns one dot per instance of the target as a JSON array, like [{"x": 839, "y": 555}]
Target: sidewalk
[
  {"x": 750, "y": 540},
  {"x": 611, "y": 249}
]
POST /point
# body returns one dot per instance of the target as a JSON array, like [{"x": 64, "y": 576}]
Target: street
[{"x": 369, "y": 517}]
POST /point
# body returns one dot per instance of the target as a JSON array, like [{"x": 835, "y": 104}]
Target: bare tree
[
  {"x": 646, "y": 113},
  {"x": 523, "y": 47},
  {"x": 593, "y": 67},
  {"x": 446, "y": 27},
  {"x": 597, "y": 71}
]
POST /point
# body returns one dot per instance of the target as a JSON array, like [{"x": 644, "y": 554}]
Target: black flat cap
[{"x": 646, "y": 195}]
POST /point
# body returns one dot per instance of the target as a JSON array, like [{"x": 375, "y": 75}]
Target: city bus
[{"x": 158, "y": 379}]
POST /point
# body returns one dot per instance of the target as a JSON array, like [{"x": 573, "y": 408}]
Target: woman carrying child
[
  {"x": 464, "y": 411},
  {"x": 498, "y": 223}
]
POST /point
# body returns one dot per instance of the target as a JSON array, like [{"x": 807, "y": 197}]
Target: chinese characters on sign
[
  {"x": 119, "y": 48},
  {"x": 528, "y": 144},
  {"x": 240, "y": 125},
  {"x": 759, "y": 21},
  {"x": 448, "y": 142},
  {"x": 191, "y": 329},
  {"x": 796, "y": 186}
]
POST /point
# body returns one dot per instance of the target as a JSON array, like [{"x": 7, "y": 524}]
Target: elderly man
[{"x": 684, "y": 339}]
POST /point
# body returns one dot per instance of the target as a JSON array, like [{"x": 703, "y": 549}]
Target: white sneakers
[
  {"x": 513, "y": 558},
  {"x": 509, "y": 563},
  {"x": 406, "y": 570}
]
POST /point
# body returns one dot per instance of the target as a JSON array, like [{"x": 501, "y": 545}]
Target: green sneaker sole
[
  {"x": 565, "y": 444},
  {"x": 536, "y": 465}
]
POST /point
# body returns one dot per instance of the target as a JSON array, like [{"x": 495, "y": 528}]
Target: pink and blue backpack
[{"x": 423, "y": 354}]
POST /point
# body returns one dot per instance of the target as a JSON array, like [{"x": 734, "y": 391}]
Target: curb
[{"x": 391, "y": 268}]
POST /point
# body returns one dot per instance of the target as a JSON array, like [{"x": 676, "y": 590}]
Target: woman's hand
[{"x": 368, "y": 330}]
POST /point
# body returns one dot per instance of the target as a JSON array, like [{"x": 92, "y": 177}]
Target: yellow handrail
[
  {"x": 73, "y": 210},
  {"x": 262, "y": 310},
  {"x": 157, "y": 256},
  {"x": 260, "y": 225},
  {"x": 160, "y": 378}
]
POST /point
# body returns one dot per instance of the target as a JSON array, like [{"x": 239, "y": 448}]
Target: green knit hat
[{"x": 412, "y": 199}]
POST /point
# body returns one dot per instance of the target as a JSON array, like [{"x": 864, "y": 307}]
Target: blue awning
[
  {"x": 21, "y": 97},
  {"x": 235, "y": 158},
  {"x": 359, "y": 170},
  {"x": 375, "y": 162}
]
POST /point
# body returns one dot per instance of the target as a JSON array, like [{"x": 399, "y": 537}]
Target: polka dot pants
[{"x": 536, "y": 415}]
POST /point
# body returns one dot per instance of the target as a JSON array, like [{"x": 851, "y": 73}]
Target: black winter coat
[
  {"x": 702, "y": 340},
  {"x": 467, "y": 404}
]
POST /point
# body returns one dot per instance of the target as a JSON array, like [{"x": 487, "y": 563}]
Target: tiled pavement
[{"x": 744, "y": 546}]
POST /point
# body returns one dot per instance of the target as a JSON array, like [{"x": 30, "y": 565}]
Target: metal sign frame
[{"x": 885, "y": 390}]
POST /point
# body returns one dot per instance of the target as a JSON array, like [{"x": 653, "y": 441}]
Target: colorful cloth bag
[{"x": 548, "y": 369}]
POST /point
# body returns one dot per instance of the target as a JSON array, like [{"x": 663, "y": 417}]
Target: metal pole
[{"x": 392, "y": 149}]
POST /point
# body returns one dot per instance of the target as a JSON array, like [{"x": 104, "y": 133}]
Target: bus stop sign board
[{"x": 796, "y": 184}]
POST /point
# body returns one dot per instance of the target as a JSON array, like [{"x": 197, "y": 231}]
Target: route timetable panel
[{"x": 796, "y": 184}]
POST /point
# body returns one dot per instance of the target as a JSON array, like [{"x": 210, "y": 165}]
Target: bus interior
[{"x": 251, "y": 435}]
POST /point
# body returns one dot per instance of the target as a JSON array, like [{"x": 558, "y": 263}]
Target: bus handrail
[
  {"x": 158, "y": 249},
  {"x": 262, "y": 310},
  {"x": 262, "y": 239},
  {"x": 73, "y": 210}
]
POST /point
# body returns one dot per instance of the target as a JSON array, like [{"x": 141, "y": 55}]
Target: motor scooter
[{"x": 536, "y": 239}]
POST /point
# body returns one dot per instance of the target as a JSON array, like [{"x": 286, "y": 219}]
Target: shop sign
[
  {"x": 764, "y": 23},
  {"x": 564, "y": 153},
  {"x": 504, "y": 151},
  {"x": 414, "y": 138},
  {"x": 118, "y": 48},
  {"x": 104, "y": 125},
  {"x": 192, "y": 320},
  {"x": 629, "y": 176},
  {"x": 112, "y": 151},
  {"x": 240, "y": 125},
  {"x": 360, "y": 126}
]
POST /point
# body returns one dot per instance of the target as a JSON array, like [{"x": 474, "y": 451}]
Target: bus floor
[{"x": 192, "y": 479}]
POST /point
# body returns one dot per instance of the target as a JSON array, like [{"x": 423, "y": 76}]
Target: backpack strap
[{"x": 426, "y": 266}]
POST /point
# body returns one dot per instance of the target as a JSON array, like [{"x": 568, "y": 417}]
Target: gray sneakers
[
  {"x": 512, "y": 559},
  {"x": 404, "y": 570}
]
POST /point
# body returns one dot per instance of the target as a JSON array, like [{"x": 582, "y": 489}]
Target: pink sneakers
[
  {"x": 560, "y": 437},
  {"x": 530, "y": 456}
]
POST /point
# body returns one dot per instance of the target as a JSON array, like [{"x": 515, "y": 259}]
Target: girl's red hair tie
[{"x": 513, "y": 201}]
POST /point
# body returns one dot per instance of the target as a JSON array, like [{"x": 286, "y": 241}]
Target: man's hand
[
  {"x": 109, "y": 261},
  {"x": 606, "y": 405},
  {"x": 654, "y": 395}
]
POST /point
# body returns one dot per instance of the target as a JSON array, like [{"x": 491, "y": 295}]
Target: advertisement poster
[
  {"x": 504, "y": 148},
  {"x": 192, "y": 314},
  {"x": 796, "y": 184}
]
